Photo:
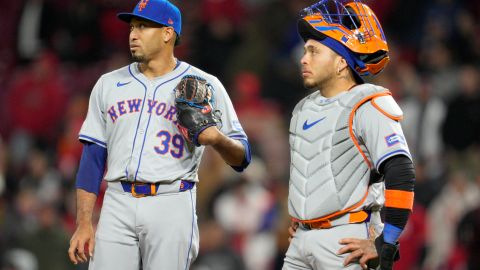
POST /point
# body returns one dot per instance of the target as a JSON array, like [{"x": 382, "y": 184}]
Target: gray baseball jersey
[
  {"x": 134, "y": 118},
  {"x": 335, "y": 145}
]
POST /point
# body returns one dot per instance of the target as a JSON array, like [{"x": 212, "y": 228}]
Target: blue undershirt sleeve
[
  {"x": 248, "y": 156},
  {"x": 391, "y": 233},
  {"x": 91, "y": 168}
]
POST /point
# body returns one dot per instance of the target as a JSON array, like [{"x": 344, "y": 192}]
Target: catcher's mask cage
[{"x": 354, "y": 25}]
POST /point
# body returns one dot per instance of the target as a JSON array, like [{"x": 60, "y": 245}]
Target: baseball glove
[{"x": 193, "y": 97}]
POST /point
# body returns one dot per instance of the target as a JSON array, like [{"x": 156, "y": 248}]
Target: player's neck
[
  {"x": 337, "y": 86},
  {"x": 158, "y": 67}
]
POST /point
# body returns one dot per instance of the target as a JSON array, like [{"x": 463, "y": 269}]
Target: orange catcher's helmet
[{"x": 351, "y": 24}]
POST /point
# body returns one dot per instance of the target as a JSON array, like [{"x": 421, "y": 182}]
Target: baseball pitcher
[
  {"x": 345, "y": 139},
  {"x": 146, "y": 128}
]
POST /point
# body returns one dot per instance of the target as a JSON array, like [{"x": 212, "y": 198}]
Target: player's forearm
[
  {"x": 399, "y": 184},
  {"x": 232, "y": 151},
  {"x": 85, "y": 204}
]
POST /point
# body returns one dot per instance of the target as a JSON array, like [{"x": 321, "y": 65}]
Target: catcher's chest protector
[{"x": 328, "y": 173}]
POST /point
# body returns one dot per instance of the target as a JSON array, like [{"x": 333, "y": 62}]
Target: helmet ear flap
[{"x": 374, "y": 62}]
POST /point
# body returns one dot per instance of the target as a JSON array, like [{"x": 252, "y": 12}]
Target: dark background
[{"x": 53, "y": 51}]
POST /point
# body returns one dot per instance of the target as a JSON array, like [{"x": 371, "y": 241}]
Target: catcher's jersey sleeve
[
  {"x": 382, "y": 135},
  {"x": 93, "y": 128}
]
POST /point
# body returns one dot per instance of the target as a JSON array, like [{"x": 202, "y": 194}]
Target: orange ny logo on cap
[
  {"x": 142, "y": 5},
  {"x": 170, "y": 21}
]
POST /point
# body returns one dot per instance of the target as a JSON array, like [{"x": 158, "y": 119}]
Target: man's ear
[
  {"x": 169, "y": 35},
  {"x": 341, "y": 64}
]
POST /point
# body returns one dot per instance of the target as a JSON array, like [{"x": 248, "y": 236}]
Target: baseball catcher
[
  {"x": 349, "y": 156},
  {"x": 193, "y": 98}
]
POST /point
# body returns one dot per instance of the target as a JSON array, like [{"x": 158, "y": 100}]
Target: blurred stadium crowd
[{"x": 53, "y": 51}]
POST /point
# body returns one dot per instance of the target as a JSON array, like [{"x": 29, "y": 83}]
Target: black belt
[{"x": 140, "y": 189}]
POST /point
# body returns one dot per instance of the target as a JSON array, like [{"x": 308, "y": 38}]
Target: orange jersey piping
[
  {"x": 350, "y": 123},
  {"x": 396, "y": 118}
]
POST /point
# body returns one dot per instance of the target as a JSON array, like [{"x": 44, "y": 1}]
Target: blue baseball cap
[{"x": 158, "y": 11}]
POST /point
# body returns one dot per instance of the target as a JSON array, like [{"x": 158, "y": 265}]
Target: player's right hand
[
  {"x": 82, "y": 244},
  {"x": 361, "y": 250},
  {"x": 292, "y": 229}
]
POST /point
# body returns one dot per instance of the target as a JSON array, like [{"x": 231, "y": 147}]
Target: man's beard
[
  {"x": 138, "y": 58},
  {"x": 318, "y": 83},
  {"x": 310, "y": 85}
]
